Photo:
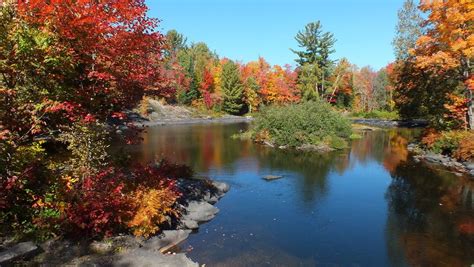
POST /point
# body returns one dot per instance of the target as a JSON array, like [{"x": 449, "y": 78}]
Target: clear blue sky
[{"x": 243, "y": 30}]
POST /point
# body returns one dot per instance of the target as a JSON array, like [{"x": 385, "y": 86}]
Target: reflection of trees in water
[
  {"x": 426, "y": 209},
  {"x": 388, "y": 147},
  {"x": 200, "y": 146},
  {"x": 312, "y": 167}
]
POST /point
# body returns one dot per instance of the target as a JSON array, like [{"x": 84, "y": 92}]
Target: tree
[
  {"x": 447, "y": 46},
  {"x": 318, "y": 46},
  {"x": 251, "y": 94},
  {"x": 175, "y": 42},
  {"x": 342, "y": 84},
  {"x": 381, "y": 90},
  {"x": 364, "y": 89},
  {"x": 408, "y": 30},
  {"x": 232, "y": 88}
]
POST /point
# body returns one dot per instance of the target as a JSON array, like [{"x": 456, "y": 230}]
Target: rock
[
  {"x": 319, "y": 148},
  {"x": 143, "y": 257},
  {"x": 469, "y": 166},
  {"x": 20, "y": 250},
  {"x": 434, "y": 158},
  {"x": 268, "y": 144},
  {"x": 272, "y": 177},
  {"x": 222, "y": 187},
  {"x": 200, "y": 211},
  {"x": 211, "y": 199},
  {"x": 101, "y": 247},
  {"x": 167, "y": 240},
  {"x": 190, "y": 224}
]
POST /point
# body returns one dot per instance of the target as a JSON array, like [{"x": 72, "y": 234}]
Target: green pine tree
[{"x": 232, "y": 88}]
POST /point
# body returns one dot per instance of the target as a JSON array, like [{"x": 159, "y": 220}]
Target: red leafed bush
[
  {"x": 116, "y": 200},
  {"x": 100, "y": 205}
]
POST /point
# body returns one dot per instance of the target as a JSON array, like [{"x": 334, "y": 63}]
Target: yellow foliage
[{"x": 153, "y": 208}]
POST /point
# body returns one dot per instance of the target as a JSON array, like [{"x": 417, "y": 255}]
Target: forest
[{"x": 70, "y": 71}]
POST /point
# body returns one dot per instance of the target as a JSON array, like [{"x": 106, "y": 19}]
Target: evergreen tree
[
  {"x": 174, "y": 42},
  {"x": 314, "y": 60},
  {"x": 232, "y": 88}
]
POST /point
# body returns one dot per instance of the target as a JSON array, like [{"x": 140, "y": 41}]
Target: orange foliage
[
  {"x": 429, "y": 137},
  {"x": 153, "y": 206},
  {"x": 457, "y": 110},
  {"x": 465, "y": 150}
]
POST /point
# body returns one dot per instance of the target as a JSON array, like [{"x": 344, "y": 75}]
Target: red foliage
[
  {"x": 113, "y": 44},
  {"x": 100, "y": 206}
]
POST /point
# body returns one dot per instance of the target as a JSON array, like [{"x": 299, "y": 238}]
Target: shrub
[
  {"x": 153, "y": 207},
  {"x": 304, "y": 123},
  {"x": 458, "y": 144},
  {"x": 465, "y": 150}
]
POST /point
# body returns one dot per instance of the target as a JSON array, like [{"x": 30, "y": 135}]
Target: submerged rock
[{"x": 272, "y": 177}]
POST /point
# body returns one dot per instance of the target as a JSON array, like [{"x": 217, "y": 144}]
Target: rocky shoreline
[
  {"x": 127, "y": 250},
  {"x": 392, "y": 123},
  {"x": 450, "y": 163}
]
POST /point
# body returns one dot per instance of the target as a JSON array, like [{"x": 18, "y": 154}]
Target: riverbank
[
  {"x": 391, "y": 123},
  {"x": 442, "y": 160},
  {"x": 197, "y": 205}
]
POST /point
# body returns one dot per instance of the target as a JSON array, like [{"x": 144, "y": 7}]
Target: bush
[
  {"x": 458, "y": 144},
  {"x": 312, "y": 123}
]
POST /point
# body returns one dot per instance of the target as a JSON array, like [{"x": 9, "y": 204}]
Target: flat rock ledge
[
  {"x": 127, "y": 250},
  {"x": 19, "y": 251},
  {"x": 438, "y": 159}
]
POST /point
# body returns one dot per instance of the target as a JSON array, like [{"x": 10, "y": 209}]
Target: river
[{"x": 369, "y": 205}]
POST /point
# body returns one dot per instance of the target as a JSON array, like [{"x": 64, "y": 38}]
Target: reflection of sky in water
[{"x": 368, "y": 206}]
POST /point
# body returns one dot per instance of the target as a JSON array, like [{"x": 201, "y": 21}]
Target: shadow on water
[{"x": 369, "y": 205}]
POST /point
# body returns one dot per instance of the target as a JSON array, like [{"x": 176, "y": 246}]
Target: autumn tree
[
  {"x": 364, "y": 89},
  {"x": 314, "y": 59},
  {"x": 447, "y": 47},
  {"x": 341, "y": 80},
  {"x": 232, "y": 88},
  {"x": 435, "y": 80}
]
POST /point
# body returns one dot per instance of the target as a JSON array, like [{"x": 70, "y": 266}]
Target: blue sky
[{"x": 243, "y": 30}]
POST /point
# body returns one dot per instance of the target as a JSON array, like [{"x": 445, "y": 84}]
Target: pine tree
[
  {"x": 318, "y": 46},
  {"x": 232, "y": 88}
]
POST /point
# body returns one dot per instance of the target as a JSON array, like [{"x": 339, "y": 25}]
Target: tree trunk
[{"x": 470, "y": 110}]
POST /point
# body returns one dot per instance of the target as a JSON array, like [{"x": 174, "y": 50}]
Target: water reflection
[{"x": 370, "y": 205}]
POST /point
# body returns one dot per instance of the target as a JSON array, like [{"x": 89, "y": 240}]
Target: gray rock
[
  {"x": 190, "y": 224},
  {"x": 272, "y": 177},
  {"x": 469, "y": 166},
  {"x": 20, "y": 250},
  {"x": 211, "y": 199},
  {"x": 221, "y": 186},
  {"x": 167, "y": 240},
  {"x": 435, "y": 158},
  {"x": 143, "y": 257},
  {"x": 101, "y": 247},
  {"x": 200, "y": 211}
]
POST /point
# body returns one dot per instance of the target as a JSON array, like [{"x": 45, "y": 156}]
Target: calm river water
[{"x": 370, "y": 205}]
